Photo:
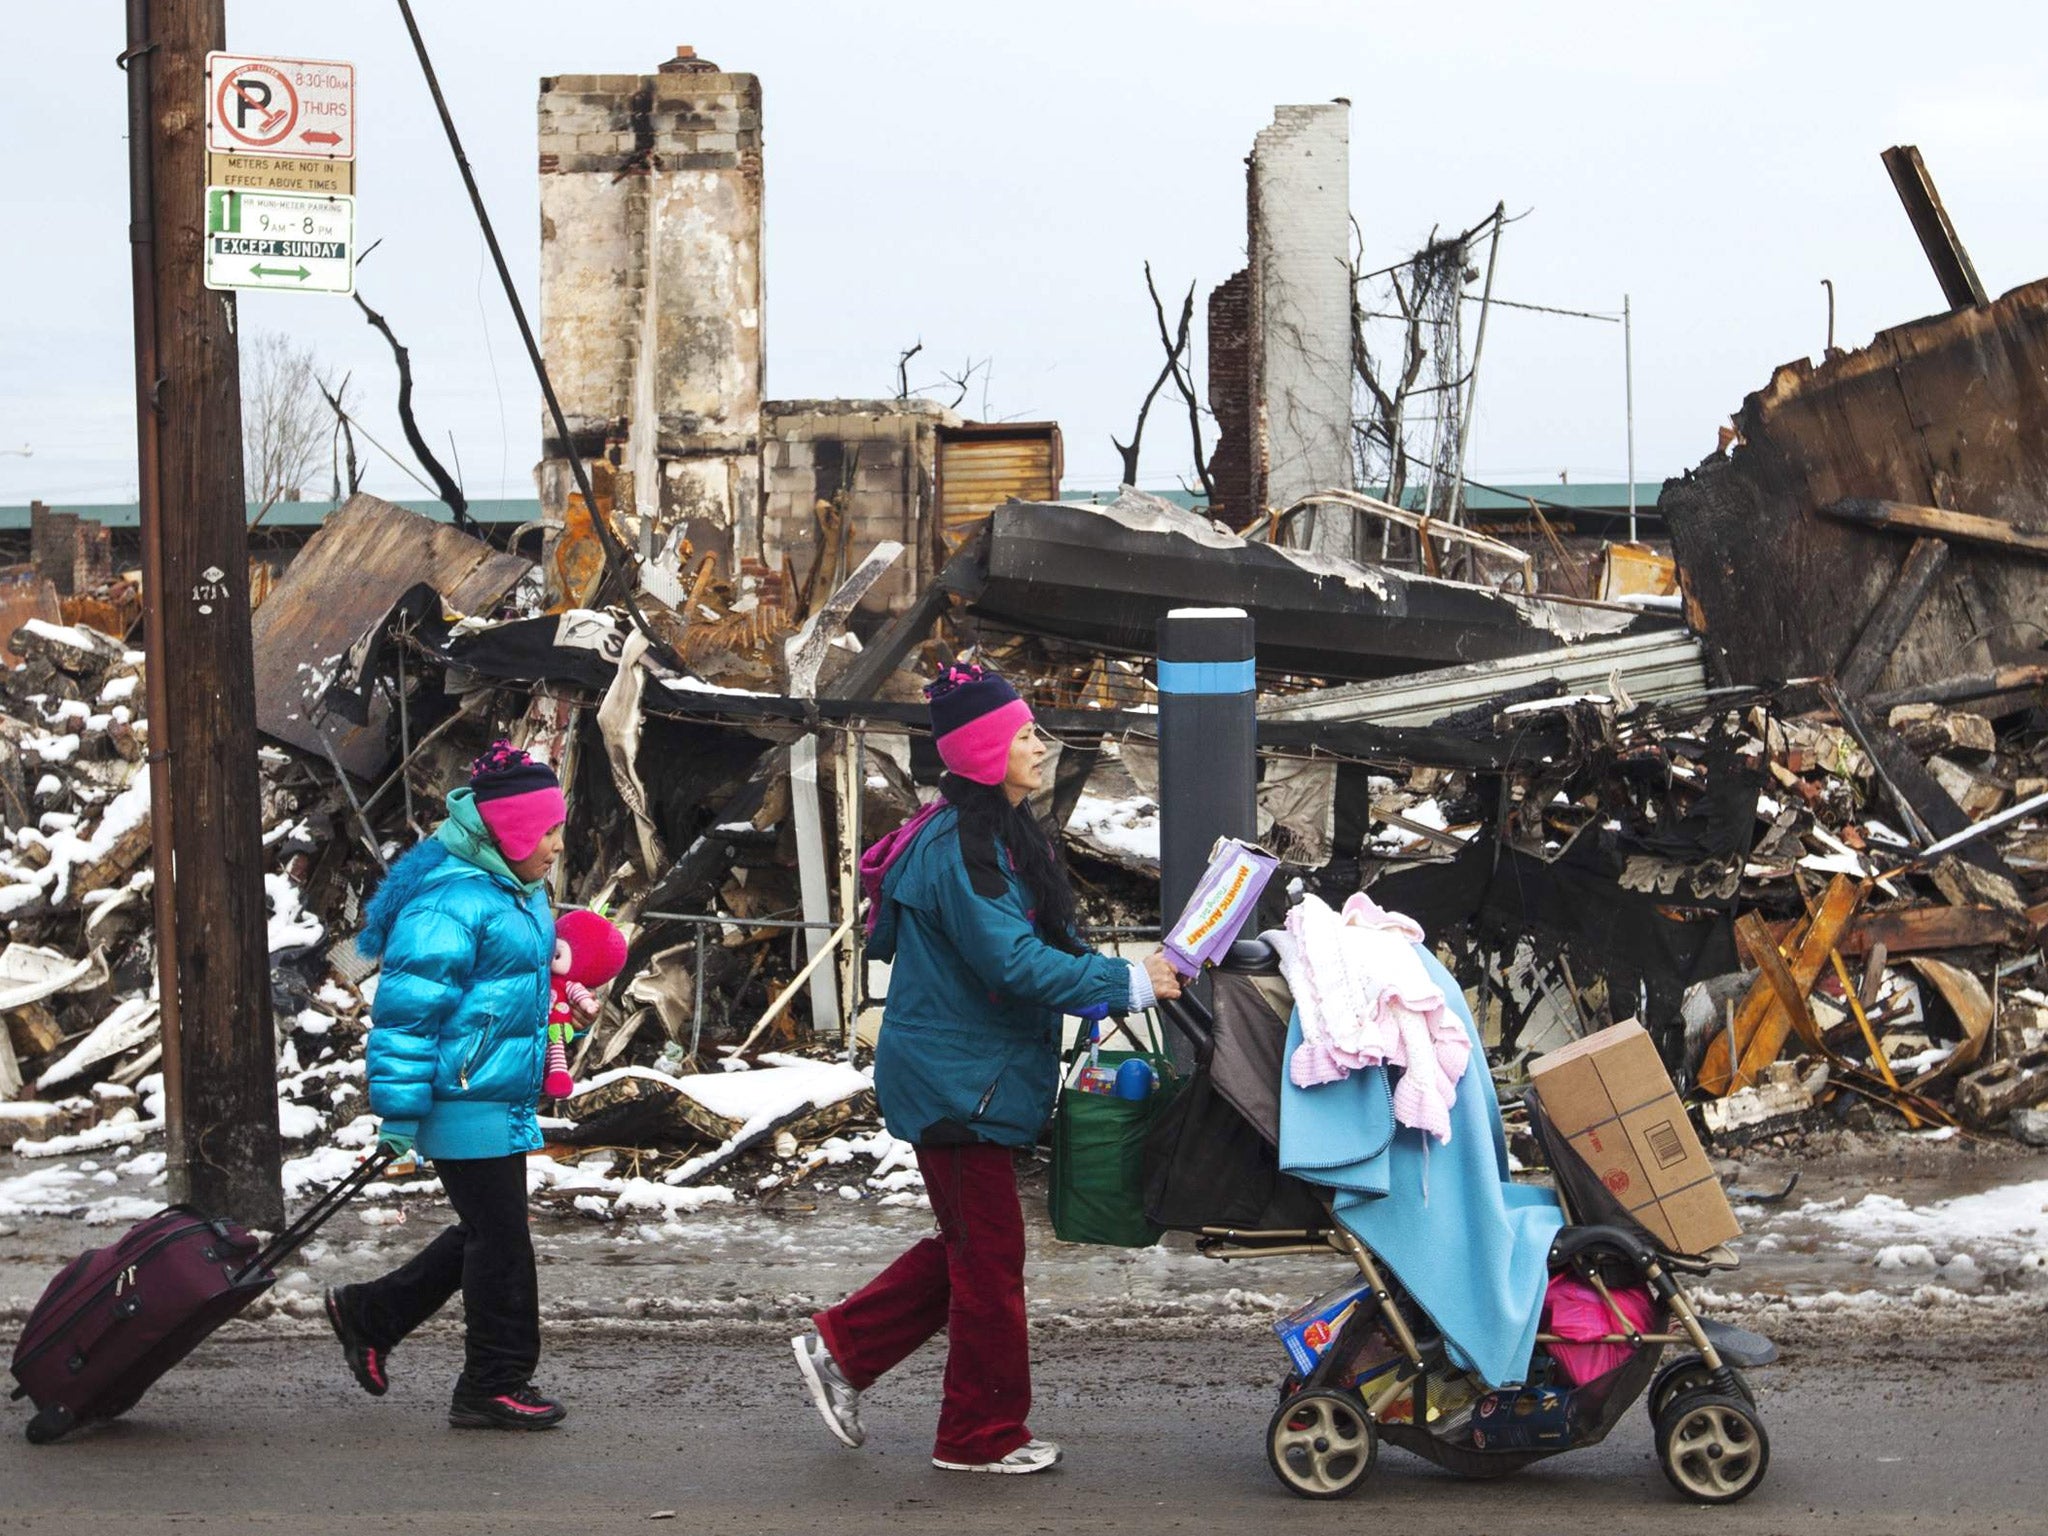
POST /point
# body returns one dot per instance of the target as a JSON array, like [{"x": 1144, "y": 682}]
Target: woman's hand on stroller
[{"x": 1164, "y": 978}]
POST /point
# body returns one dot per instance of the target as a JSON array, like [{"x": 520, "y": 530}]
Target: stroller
[{"x": 1212, "y": 1170}]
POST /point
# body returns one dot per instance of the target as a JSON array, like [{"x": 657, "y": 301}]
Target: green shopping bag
[{"x": 1098, "y": 1148}]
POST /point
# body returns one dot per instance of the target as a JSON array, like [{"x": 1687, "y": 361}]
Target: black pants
[{"x": 488, "y": 1255}]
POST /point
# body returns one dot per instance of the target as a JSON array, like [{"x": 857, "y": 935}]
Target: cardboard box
[{"x": 1610, "y": 1097}]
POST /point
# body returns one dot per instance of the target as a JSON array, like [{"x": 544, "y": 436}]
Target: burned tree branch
[
  {"x": 344, "y": 428},
  {"x": 1177, "y": 349},
  {"x": 903, "y": 370},
  {"x": 1129, "y": 453},
  {"x": 444, "y": 484}
]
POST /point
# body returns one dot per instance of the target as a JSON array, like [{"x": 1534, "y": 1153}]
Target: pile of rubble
[
  {"x": 1817, "y": 905},
  {"x": 80, "y": 1053},
  {"x": 1758, "y": 889}
]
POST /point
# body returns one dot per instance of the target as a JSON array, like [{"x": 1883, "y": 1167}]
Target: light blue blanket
[{"x": 1468, "y": 1245}]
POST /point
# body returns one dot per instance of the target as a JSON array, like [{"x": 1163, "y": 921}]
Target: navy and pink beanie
[
  {"x": 976, "y": 714},
  {"x": 520, "y": 800}
]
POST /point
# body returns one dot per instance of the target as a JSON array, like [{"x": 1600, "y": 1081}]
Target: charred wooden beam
[
  {"x": 1893, "y": 616},
  {"x": 1905, "y": 517},
  {"x": 1938, "y": 238}
]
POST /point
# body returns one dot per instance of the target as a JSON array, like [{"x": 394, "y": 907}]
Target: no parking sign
[{"x": 303, "y": 107}]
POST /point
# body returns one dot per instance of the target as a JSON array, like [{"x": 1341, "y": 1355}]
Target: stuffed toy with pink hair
[{"x": 589, "y": 952}]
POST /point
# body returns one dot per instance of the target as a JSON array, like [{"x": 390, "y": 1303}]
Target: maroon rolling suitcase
[{"x": 116, "y": 1318}]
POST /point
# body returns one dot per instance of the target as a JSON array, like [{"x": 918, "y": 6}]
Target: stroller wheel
[
  {"x": 1688, "y": 1373},
  {"x": 1321, "y": 1444},
  {"x": 1713, "y": 1447}
]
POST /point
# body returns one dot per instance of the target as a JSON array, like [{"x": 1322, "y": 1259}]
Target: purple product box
[{"x": 1223, "y": 902}]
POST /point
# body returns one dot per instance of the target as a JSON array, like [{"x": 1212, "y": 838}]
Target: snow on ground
[
  {"x": 2002, "y": 1231},
  {"x": 115, "y": 1133}
]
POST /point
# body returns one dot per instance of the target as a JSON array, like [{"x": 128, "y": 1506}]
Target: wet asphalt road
[{"x": 261, "y": 1431}]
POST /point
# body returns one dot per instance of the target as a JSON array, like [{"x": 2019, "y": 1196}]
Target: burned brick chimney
[{"x": 651, "y": 300}]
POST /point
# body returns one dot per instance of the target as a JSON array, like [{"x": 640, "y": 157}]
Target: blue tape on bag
[{"x": 1208, "y": 676}]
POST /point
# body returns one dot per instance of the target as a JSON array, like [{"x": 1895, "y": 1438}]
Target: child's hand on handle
[{"x": 1164, "y": 978}]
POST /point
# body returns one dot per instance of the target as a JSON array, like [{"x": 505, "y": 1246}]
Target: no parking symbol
[{"x": 301, "y": 107}]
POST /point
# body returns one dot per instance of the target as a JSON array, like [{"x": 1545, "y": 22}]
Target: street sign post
[
  {"x": 280, "y": 241},
  {"x": 294, "y": 107},
  {"x": 281, "y": 174}
]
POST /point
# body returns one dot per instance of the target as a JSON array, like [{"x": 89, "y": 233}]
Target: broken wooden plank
[
  {"x": 1953, "y": 268},
  {"x": 1755, "y": 938},
  {"x": 1892, "y": 617},
  {"x": 1967, "y": 527},
  {"x": 1956, "y": 690},
  {"x": 1762, "y": 1022},
  {"x": 1929, "y": 929},
  {"x": 1919, "y": 796}
]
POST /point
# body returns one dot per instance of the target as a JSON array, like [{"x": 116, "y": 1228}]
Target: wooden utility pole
[{"x": 213, "y": 964}]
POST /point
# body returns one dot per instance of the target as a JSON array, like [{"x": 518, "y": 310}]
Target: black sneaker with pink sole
[
  {"x": 521, "y": 1409},
  {"x": 365, "y": 1360}
]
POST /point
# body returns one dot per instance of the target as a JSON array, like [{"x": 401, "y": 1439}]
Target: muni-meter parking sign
[{"x": 280, "y": 241}]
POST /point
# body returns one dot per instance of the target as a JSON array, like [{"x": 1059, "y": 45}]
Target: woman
[
  {"x": 979, "y": 919},
  {"x": 458, "y": 1044}
]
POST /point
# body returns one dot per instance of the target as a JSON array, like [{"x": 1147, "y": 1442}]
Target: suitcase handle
[{"x": 315, "y": 1216}]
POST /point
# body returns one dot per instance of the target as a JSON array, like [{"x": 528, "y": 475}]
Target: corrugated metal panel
[
  {"x": 977, "y": 475},
  {"x": 1667, "y": 664}
]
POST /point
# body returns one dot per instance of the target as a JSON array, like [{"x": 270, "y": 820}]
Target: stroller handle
[{"x": 1193, "y": 1020}]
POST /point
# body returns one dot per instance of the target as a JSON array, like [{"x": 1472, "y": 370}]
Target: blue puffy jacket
[
  {"x": 970, "y": 1040},
  {"x": 458, "y": 1036}
]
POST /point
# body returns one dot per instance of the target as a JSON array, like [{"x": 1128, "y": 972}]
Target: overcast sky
[{"x": 990, "y": 178}]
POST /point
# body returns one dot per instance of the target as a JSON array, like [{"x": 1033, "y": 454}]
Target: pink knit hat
[
  {"x": 975, "y": 717},
  {"x": 520, "y": 800}
]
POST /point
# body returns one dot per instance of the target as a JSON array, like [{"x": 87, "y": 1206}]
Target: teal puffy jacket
[
  {"x": 970, "y": 1040},
  {"x": 458, "y": 1036}
]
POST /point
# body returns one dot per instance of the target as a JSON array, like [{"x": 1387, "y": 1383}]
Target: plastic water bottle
[{"x": 1135, "y": 1079}]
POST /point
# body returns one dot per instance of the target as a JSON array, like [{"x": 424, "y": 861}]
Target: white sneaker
[
  {"x": 1032, "y": 1456},
  {"x": 838, "y": 1403}
]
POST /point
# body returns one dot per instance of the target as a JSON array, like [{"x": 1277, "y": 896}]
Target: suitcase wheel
[{"x": 50, "y": 1424}]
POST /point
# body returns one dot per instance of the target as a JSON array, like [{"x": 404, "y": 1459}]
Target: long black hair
[{"x": 989, "y": 825}]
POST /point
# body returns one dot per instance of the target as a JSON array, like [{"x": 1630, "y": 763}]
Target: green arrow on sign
[{"x": 299, "y": 272}]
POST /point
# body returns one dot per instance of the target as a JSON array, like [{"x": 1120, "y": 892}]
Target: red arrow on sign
[{"x": 321, "y": 136}]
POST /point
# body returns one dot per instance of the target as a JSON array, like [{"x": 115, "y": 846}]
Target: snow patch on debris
[{"x": 1123, "y": 831}]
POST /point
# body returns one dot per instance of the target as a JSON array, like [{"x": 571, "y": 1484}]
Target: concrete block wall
[
  {"x": 1300, "y": 241},
  {"x": 876, "y": 458},
  {"x": 652, "y": 293}
]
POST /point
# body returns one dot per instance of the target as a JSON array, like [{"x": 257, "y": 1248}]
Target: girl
[
  {"x": 458, "y": 1045},
  {"x": 978, "y": 916}
]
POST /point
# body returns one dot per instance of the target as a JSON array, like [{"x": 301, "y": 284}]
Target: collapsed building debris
[{"x": 1818, "y": 897}]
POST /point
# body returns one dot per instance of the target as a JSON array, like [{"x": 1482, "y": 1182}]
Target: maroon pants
[{"x": 969, "y": 1280}]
